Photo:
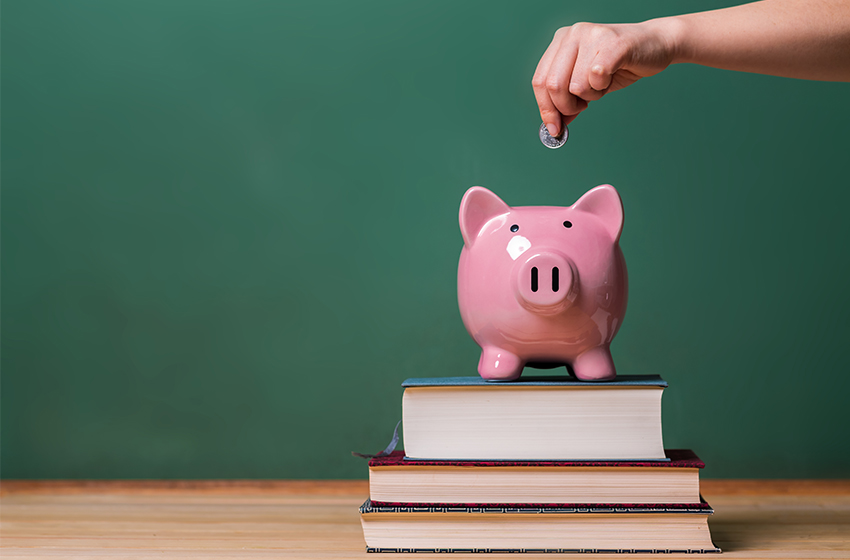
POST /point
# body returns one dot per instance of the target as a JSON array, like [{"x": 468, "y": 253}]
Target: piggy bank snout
[{"x": 544, "y": 282}]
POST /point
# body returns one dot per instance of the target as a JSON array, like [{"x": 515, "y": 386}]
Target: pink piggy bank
[{"x": 542, "y": 285}]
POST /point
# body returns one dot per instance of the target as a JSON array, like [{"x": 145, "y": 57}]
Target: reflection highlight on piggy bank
[{"x": 542, "y": 285}]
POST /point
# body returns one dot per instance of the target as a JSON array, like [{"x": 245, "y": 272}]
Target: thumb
[{"x": 605, "y": 64}]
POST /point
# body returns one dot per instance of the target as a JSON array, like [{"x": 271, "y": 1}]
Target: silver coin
[{"x": 553, "y": 141}]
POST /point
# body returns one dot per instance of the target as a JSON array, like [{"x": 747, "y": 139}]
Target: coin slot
[
  {"x": 534, "y": 279},
  {"x": 555, "y": 279}
]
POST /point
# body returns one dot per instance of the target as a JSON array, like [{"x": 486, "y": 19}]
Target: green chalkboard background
[{"x": 229, "y": 231}]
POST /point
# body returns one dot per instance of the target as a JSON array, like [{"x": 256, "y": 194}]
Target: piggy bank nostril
[{"x": 544, "y": 282}]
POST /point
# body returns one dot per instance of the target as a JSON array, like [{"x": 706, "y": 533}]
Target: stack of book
[{"x": 537, "y": 465}]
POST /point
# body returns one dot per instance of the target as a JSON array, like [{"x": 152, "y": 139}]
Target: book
[
  {"x": 534, "y": 419},
  {"x": 530, "y": 529},
  {"x": 396, "y": 480}
]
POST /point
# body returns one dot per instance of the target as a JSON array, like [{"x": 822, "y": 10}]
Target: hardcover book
[
  {"x": 534, "y": 419},
  {"x": 520, "y": 528},
  {"x": 396, "y": 480}
]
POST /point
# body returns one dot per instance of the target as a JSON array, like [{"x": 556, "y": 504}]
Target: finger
[
  {"x": 580, "y": 79},
  {"x": 558, "y": 80},
  {"x": 548, "y": 112},
  {"x": 605, "y": 64},
  {"x": 621, "y": 79}
]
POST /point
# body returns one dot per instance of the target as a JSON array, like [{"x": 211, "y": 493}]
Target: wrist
[{"x": 672, "y": 34}]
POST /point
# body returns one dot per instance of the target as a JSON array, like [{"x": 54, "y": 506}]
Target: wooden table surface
[{"x": 319, "y": 519}]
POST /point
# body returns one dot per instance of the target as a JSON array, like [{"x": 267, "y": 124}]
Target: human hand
[{"x": 587, "y": 60}]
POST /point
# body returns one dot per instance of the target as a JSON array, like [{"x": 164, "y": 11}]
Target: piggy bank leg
[
  {"x": 595, "y": 365},
  {"x": 499, "y": 365}
]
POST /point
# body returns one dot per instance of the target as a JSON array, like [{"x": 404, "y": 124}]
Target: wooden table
[{"x": 319, "y": 519}]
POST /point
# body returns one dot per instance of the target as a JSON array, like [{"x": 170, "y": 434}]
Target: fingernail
[
  {"x": 597, "y": 69},
  {"x": 553, "y": 129}
]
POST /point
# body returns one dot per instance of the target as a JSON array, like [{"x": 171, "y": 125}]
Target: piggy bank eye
[
  {"x": 514, "y": 228},
  {"x": 568, "y": 224}
]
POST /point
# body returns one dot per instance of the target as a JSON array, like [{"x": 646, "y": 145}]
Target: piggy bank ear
[
  {"x": 478, "y": 207},
  {"x": 604, "y": 203}
]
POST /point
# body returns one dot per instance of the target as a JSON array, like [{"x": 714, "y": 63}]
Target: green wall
[{"x": 229, "y": 231}]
